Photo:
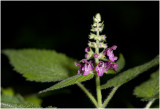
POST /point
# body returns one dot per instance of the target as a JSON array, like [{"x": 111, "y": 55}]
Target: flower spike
[{"x": 94, "y": 60}]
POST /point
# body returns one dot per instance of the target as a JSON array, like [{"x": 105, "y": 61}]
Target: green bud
[
  {"x": 93, "y": 29},
  {"x": 101, "y": 28},
  {"x": 98, "y": 17},
  {"x": 100, "y": 24},
  {"x": 92, "y": 44},
  {"x": 92, "y": 36},
  {"x": 94, "y": 24},
  {"x": 90, "y": 53},
  {"x": 101, "y": 56}
]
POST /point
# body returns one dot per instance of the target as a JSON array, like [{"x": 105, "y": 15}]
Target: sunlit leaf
[{"x": 41, "y": 65}]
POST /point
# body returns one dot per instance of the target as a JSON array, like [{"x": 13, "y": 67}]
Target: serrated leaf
[
  {"x": 41, "y": 65},
  {"x": 18, "y": 105},
  {"x": 120, "y": 63},
  {"x": 149, "y": 89},
  {"x": 128, "y": 75},
  {"x": 15, "y": 101},
  {"x": 70, "y": 81}
]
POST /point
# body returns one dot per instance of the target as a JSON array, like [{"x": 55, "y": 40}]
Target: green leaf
[
  {"x": 33, "y": 99},
  {"x": 128, "y": 75},
  {"x": 41, "y": 65},
  {"x": 15, "y": 101},
  {"x": 120, "y": 63},
  {"x": 8, "y": 91},
  {"x": 18, "y": 105},
  {"x": 70, "y": 81},
  {"x": 149, "y": 89}
]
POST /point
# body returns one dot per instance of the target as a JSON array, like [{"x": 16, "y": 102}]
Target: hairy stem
[
  {"x": 149, "y": 103},
  {"x": 109, "y": 97},
  {"x": 88, "y": 94},
  {"x": 98, "y": 88}
]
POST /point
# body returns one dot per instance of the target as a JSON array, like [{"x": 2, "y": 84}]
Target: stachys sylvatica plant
[{"x": 99, "y": 60}]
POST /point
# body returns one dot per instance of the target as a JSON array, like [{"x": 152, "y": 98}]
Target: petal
[
  {"x": 86, "y": 55},
  {"x": 111, "y": 58},
  {"x": 114, "y": 47},
  {"x": 86, "y": 72},
  {"x": 79, "y": 72},
  {"x": 90, "y": 67},
  {"x": 83, "y": 68},
  {"x": 100, "y": 63},
  {"x": 76, "y": 63},
  {"x": 100, "y": 70},
  {"x": 97, "y": 68},
  {"x": 84, "y": 61},
  {"x": 115, "y": 58},
  {"x": 115, "y": 66},
  {"x": 87, "y": 49}
]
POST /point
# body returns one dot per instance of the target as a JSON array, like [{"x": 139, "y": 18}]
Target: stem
[
  {"x": 98, "y": 88},
  {"x": 88, "y": 93},
  {"x": 109, "y": 97},
  {"x": 149, "y": 103}
]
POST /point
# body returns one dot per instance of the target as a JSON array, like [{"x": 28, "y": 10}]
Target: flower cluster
[{"x": 96, "y": 60}]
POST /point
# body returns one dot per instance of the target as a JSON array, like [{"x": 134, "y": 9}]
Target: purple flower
[
  {"x": 114, "y": 47},
  {"x": 80, "y": 69},
  {"x": 104, "y": 37},
  {"x": 115, "y": 66},
  {"x": 100, "y": 45},
  {"x": 86, "y": 55},
  {"x": 87, "y": 49},
  {"x": 108, "y": 65},
  {"x": 84, "y": 61},
  {"x": 87, "y": 67},
  {"x": 100, "y": 68},
  {"x": 110, "y": 53},
  {"x": 96, "y": 55}
]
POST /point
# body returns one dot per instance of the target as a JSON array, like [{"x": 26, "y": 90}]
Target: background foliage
[{"x": 64, "y": 27}]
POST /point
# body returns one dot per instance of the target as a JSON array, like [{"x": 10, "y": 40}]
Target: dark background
[{"x": 65, "y": 26}]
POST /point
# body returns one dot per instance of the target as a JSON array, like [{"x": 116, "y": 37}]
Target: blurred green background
[{"x": 65, "y": 26}]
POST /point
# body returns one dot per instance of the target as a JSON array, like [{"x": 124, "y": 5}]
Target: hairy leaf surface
[
  {"x": 70, "y": 81},
  {"x": 41, "y": 65},
  {"x": 149, "y": 89},
  {"x": 130, "y": 74},
  {"x": 15, "y": 101}
]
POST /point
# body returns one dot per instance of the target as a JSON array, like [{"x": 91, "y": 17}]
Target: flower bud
[
  {"x": 87, "y": 49},
  {"x": 96, "y": 55},
  {"x": 98, "y": 17},
  {"x": 92, "y": 36},
  {"x": 86, "y": 56},
  {"x": 92, "y": 44},
  {"x": 103, "y": 37}
]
